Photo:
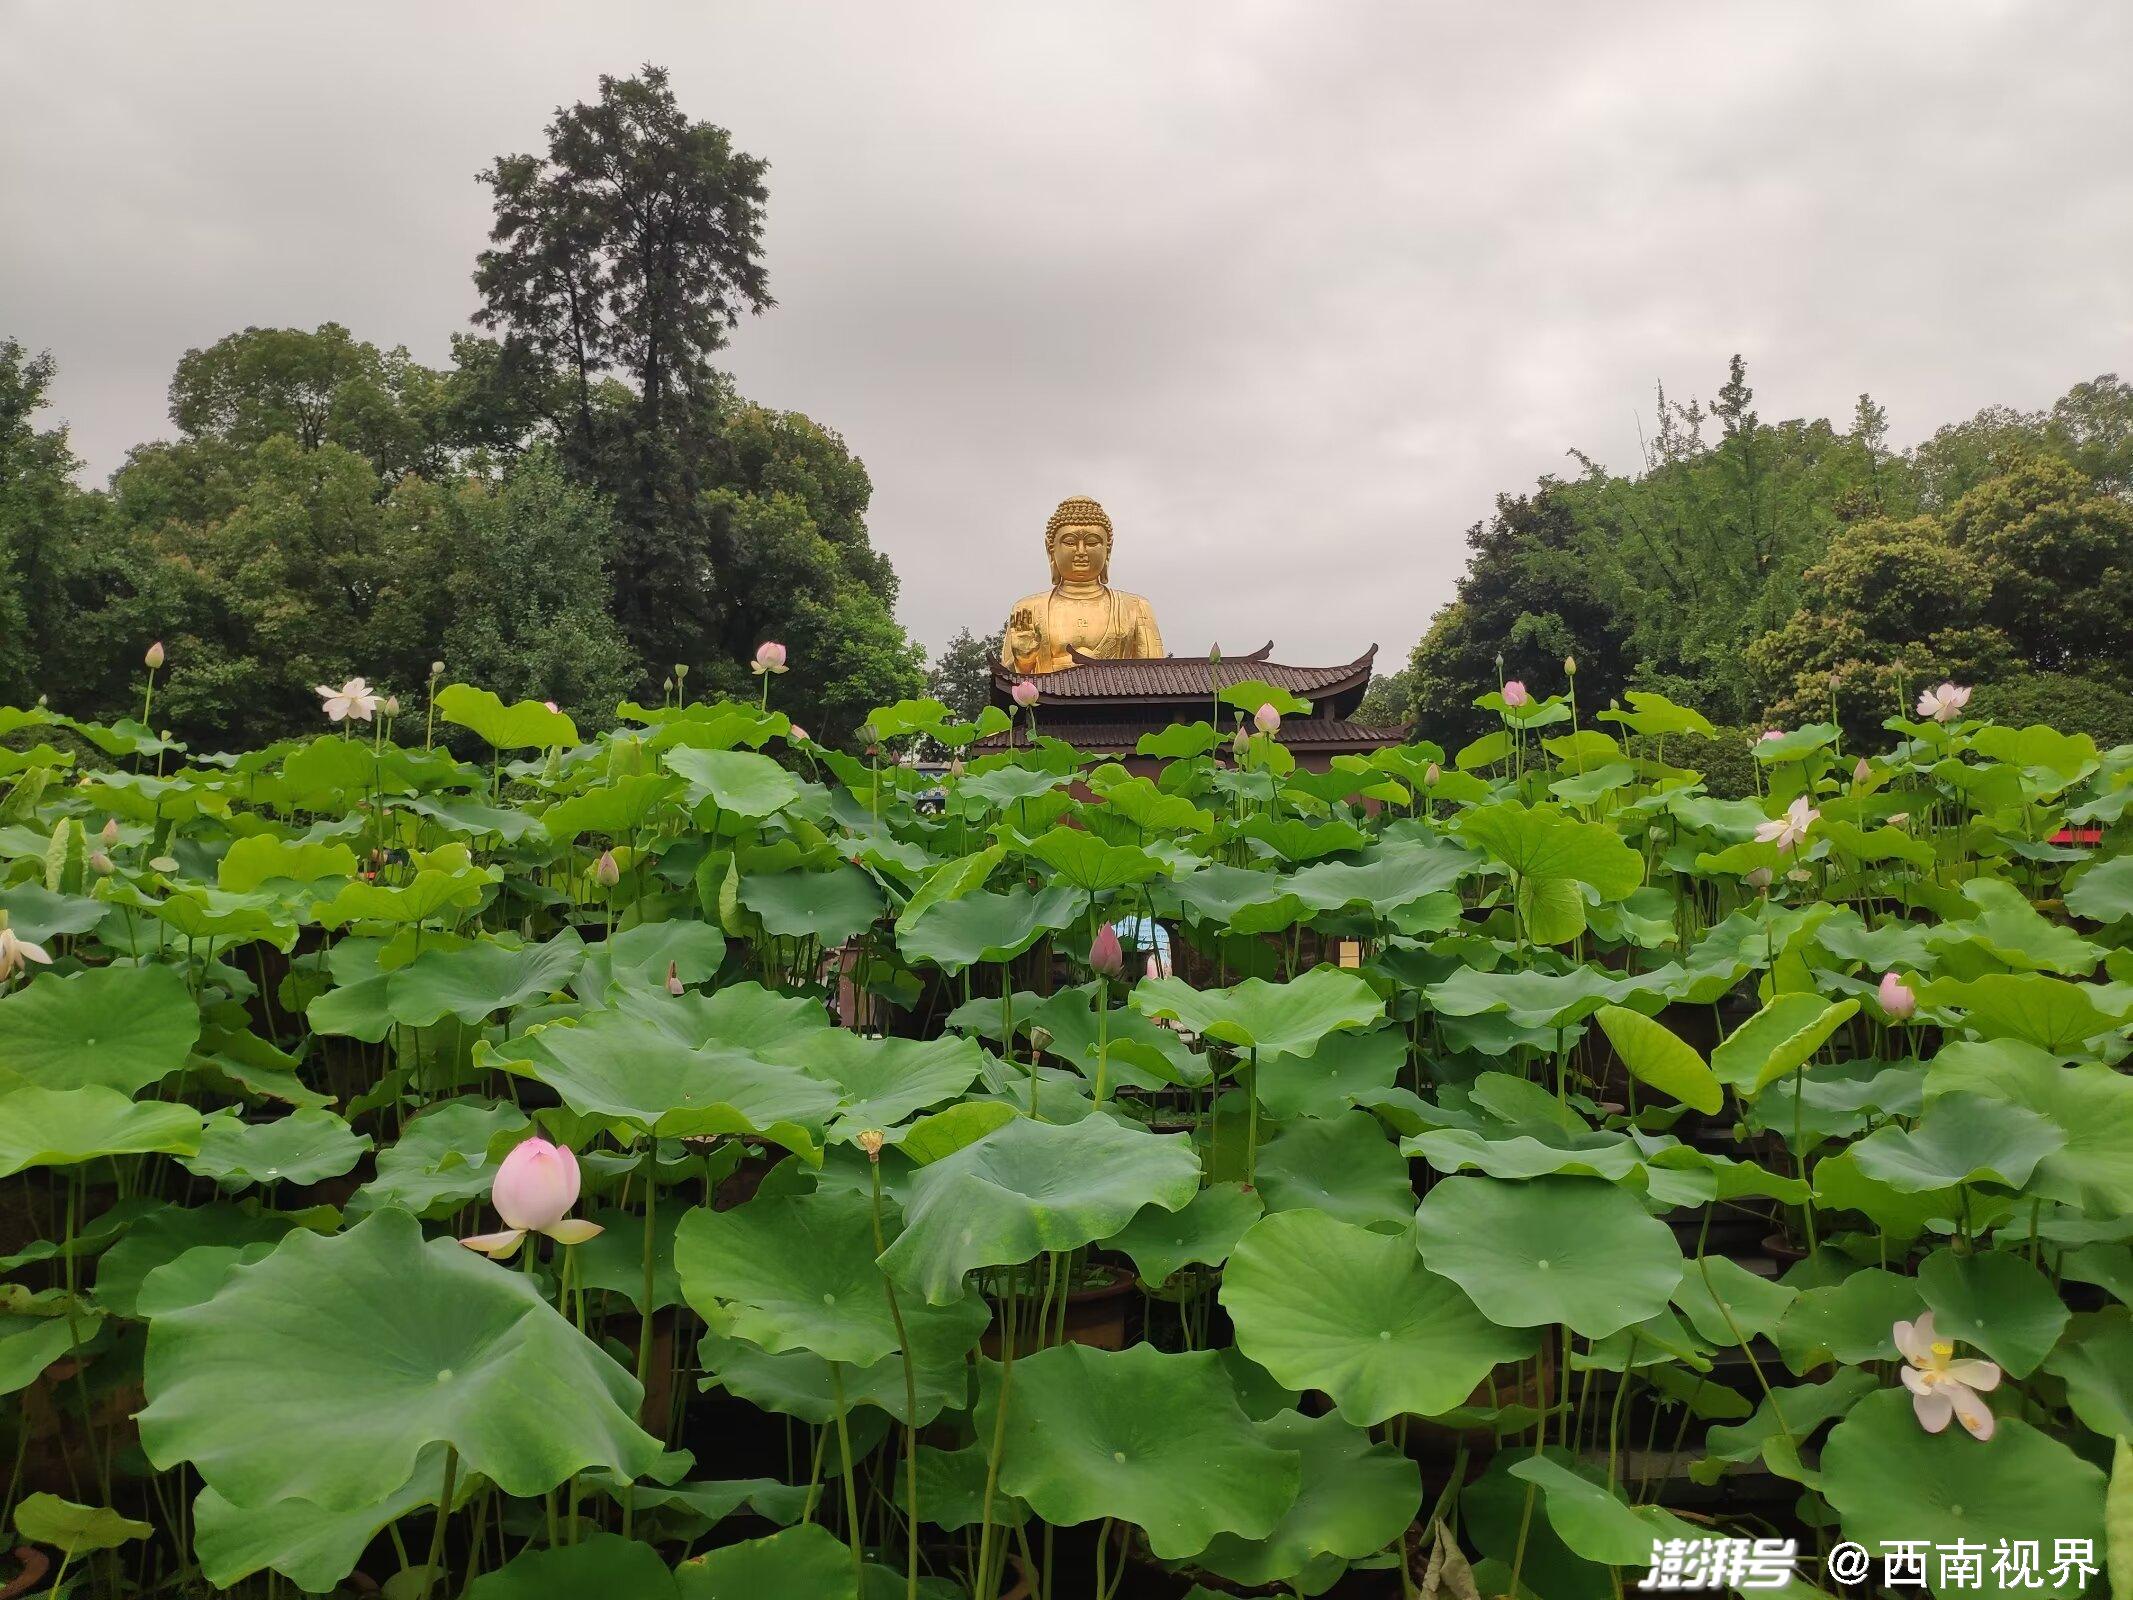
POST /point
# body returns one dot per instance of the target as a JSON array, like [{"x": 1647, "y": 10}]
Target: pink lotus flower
[
  {"x": 1024, "y": 693},
  {"x": 1768, "y": 734},
  {"x": 1787, "y": 831},
  {"x": 1944, "y": 704},
  {"x": 154, "y": 657},
  {"x": 607, "y": 871},
  {"x": 1105, "y": 954},
  {"x": 535, "y": 1187},
  {"x": 769, "y": 657},
  {"x": 1266, "y": 719},
  {"x": 1861, "y": 772},
  {"x": 16, "y": 954},
  {"x": 1942, "y": 1387},
  {"x": 355, "y": 698},
  {"x": 1514, "y": 693},
  {"x": 674, "y": 983},
  {"x": 110, "y": 835},
  {"x": 1155, "y": 969},
  {"x": 1897, "y": 998},
  {"x": 798, "y": 734},
  {"x": 552, "y": 706}
]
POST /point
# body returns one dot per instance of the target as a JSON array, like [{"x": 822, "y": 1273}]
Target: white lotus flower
[
  {"x": 17, "y": 953},
  {"x": 1787, "y": 831},
  {"x": 1944, "y": 704},
  {"x": 355, "y": 698},
  {"x": 1942, "y": 1387}
]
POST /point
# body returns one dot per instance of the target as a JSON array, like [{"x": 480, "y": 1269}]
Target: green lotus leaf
[
  {"x": 1450, "y": 1150},
  {"x": 1659, "y": 1058},
  {"x": 602, "y": 1563},
  {"x": 739, "y": 782},
  {"x": 313, "y": 1547},
  {"x": 1778, "y": 1040},
  {"x": 1274, "y": 1018},
  {"x": 1326, "y": 1305},
  {"x": 1592, "y": 1522},
  {"x": 797, "y": 1273},
  {"x": 1031, "y": 1187},
  {"x": 800, "y": 1384},
  {"x": 432, "y": 892},
  {"x": 930, "y": 1139},
  {"x": 641, "y": 955},
  {"x": 1241, "y": 899},
  {"x": 2108, "y": 1266},
  {"x": 1079, "y": 858},
  {"x": 197, "y": 1275},
  {"x": 47, "y": 1519},
  {"x": 1804, "y": 1407},
  {"x": 828, "y": 906},
  {"x": 1654, "y": 715},
  {"x": 1356, "y": 1497},
  {"x": 985, "y": 927},
  {"x": 163, "y": 1235},
  {"x": 807, "y": 1560},
  {"x": 123, "y": 1028},
  {"x": 1534, "y": 999},
  {"x": 322, "y": 1373},
  {"x": 2029, "y": 1007},
  {"x": 2091, "y": 1104},
  {"x": 1961, "y": 1139},
  {"x": 441, "y": 1159},
  {"x": 2009, "y": 929},
  {"x": 1136, "y": 1051},
  {"x": 618, "y": 809},
  {"x": 1714, "y": 1289},
  {"x": 1325, "y": 1082},
  {"x": 470, "y": 983},
  {"x": 253, "y": 862},
  {"x": 300, "y": 1148},
  {"x": 2066, "y": 756},
  {"x": 34, "y": 913},
  {"x": 2103, "y": 892},
  {"x": 1543, "y": 842},
  {"x": 882, "y": 1081},
  {"x": 527, "y": 725},
  {"x": 1849, "y": 1321},
  {"x": 690, "y": 1510},
  {"x": 65, "y": 1127},
  {"x": 1344, "y": 1167},
  {"x": 30, "y": 1343},
  {"x": 1551, "y": 910},
  {"x": 1996, "y": 1301},
  {"x": 2095, "y": 1362},
  {"x": 951, "y": 1490},
  {"x": 1155, "y": 1440},
  {"x": 1888, "y": 1479},
  {"x": 1573, "y": 1251},
  {"x": 1204, "y": 1231}
]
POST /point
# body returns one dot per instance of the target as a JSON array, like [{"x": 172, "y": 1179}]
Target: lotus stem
[
  {"x": 444, "y": 1515},
  {"x": 853, "y": 1533},
  {"x": 903, "y": 1341}
]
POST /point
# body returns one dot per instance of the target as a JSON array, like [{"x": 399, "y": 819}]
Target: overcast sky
[{"x": 1293, "y": 289}]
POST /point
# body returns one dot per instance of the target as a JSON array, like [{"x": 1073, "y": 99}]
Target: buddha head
[{"x": 1078, "y": 540}]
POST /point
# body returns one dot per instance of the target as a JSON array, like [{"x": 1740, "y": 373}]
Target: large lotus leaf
[
  {"x": 34, "y": 913},
  {"x": 1658, "y": 1057},
  {"x": 882, "y": 1081},
  {"x": 1344, "y": 1167},
  {"x": 431, "y": 892},
  {"x": 807, "y": 1560},
  {"x": 1778, "y": 1040},
  {"x": 1543, "y": 842},
  {"x": 1573, "y": 1251},
  {"x": 1803, "y": 1407},
  {"x": 1325, "y": 1082},
  {"x": 1239, "y": 898},
  {"x": 120, "y": 1027},
  {"x": 527, "y": 725},
  {"x": 1274, "y": 1018},
  {"x": 313, "y": 1547},
  {"x": 1592, "y": 1522},
  {"x": 1450, "y": 1150},
  {"x": 469, "y": 983},
  {"x": 942, "y": 1134},
  {"x": 324, "y": 1371},
  {"x": 2009, "y": 929},
  {"x": 1151, "y": 1439},
  {"x": 826, "y": 906},
  {"x": 2029, "y": 1007},
  {"x": 303, "y": 1147},
  {"x": 951, "y": 1489},
  {"x": 1326, "y": 1305},
  {"x": 612, "y": 1065},
  {"x": 1996, "y": 1301},
  {"x": 799, "y": 1384},
  {"x": 1161, "y": 1242},
  {"x": 1134, "y": 1050},
  {"x": 739, "y": 1016},
  {"x": 1534, "y": 999},
  {"x": 2095, "y": 1362},
  {"x": 690, "y": 1510},
  {"x": 1848, "y": 1321},
  {"x": 1031, "y": 1187},
  {"x": 640, "y": 956},
  {"x": 1962, "y": 1138},
  {"x": 261, "y": 858},
  {"x": 1384, "y": 877},
  {"x": 1888, "y": 1480},
  {"x": 470, "y": 819},
  {"x": 65, "y": 1127},
  {"x": 603, "y": 1564},
  {"x": 162, "y": 1236},
  {"x": 441, "y": 1159},
  {"x": 797, "y": 1273},
  {"x": 1078, "y": 857},
  {"x": 31, "y": 1342},
  {"x": 1726, "y": 1303},
  {"x": 739, "y": 782},
  {"x": 615, "y": 809},
  {"x": 1356, "y": 1497},
  {"x": 2103, "y": 892},
  {"x": 2091, "y": 1104},
  {"x": 983, "y": 926},
  {"x": 64, "y": 1525}
]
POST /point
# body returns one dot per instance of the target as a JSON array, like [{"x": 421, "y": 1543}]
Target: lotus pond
[{"x": 470, "y": 1158}]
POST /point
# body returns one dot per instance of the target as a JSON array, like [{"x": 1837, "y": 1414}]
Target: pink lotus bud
[
  {"x": 1154, "y": 970},
  {"x": 1514, "y": 693},
  {"x": 1768, "y": 734},
  {"x": 674, "y": 983},
  {"x": 799, "y": 734},
  {"x": 100, "y": 863},
  {"x": 1897, "y": 998},
  {"x": 607, "y": 871},
  {"x": 552, "y": 706},
  {"x": 1759, "y": 878},
  {"x": 154, "y": 658},
  {"x": 110, "y": 835},
  {"x": 769, "y": 657},
  {"x": 1862, "y": 773},
  {"x": 1024, "y": 693},
  {"x": 1105, "y": 955},
  {"x": 536, "y": 1185},
  {"x": 1266, "y": 719},
  {"x": 1432, "y": 775}
]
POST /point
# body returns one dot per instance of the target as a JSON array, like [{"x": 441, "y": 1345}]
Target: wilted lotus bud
[
  {"x": 154, "y": 658},
  {"x": 164, "y": 864},
  {"x": 1266, "y": 719},
  {"x": 1514, "y": 693},
  {"x": 871, "y": 1142},
  {"x": 1897, "y": 998},
  {"x": 100, "y": 863},
  {"x": 436, "y": 669},
  {"x": 1862, "y": 773},
  {"x": 1759, "y": 878},
  {"x": 769, "y": 657},
  {"x": 1105, "y": 954},
  {"x": 1040, "y": 1040},
  {"x": 681, "y": 669},
  {"x": 1432, "y": 775},
  {"x": 607, "y": 871},
  {"x": 674, "y": 983},
  {"x": 110, "y": 835},
  {"x": 1024, "y": 693},
  {"x": 1570, "y": 666}
]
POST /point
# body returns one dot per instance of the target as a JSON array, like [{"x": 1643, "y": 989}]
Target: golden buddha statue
[{"x": 1081, "y": 612}]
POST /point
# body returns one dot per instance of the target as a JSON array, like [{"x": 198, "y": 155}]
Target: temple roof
[
  {"x": 1188, "y": 679},
  {"x": 1332, "y": 735}
]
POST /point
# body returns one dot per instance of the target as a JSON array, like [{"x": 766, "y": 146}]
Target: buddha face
[{"x": 1081, "y": 553}]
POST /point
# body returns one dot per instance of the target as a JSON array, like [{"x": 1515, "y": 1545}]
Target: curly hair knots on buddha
[{"x": 1076, "y": 510}]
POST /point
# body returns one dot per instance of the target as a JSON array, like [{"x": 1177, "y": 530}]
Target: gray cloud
[{"x": 1294, "y": 289}]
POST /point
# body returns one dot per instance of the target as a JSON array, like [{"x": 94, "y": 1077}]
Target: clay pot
[
  {"x": 1095, "y": 1316},
  {"x": 34, "y": 1563}
]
